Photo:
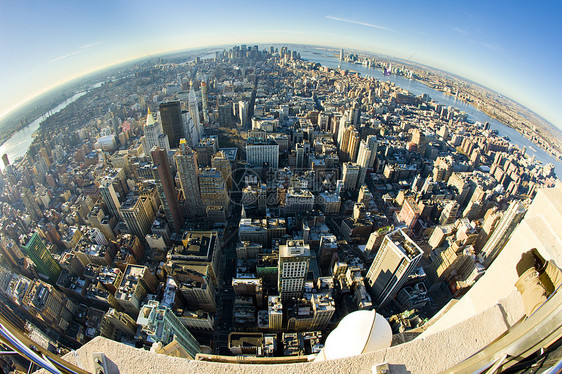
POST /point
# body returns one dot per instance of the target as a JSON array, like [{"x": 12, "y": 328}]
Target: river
[
  {"x": 18, "y": 144},
  {"x": 329, "y": 59}
]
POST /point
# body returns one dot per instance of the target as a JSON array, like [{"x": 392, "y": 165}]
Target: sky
[{"x": 512, "y": 47}]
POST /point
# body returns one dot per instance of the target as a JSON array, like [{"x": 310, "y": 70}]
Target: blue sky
[{"x": 510, "y": 46}]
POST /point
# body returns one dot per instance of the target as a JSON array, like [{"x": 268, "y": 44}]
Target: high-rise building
[
  {"x": 213, "y": 188},
  {"x": 35, "y": 248},
  {"x": 294, "y": 257},
  {"x": 138, "y": 215},
  {"x": 161, "y": 324},
  {"x": 328, "y": 246},
  {"x": 222, "y": 163},
  {"x": 153, "y": 134},
  {"x": 501, "y": 234},
  {"x": 243, "y": 112},
  {"x": 194, "y": 111},
  {"x": 116, "y": 324},
  {"x": 166, "y": 189},
  {"x": 113, "y": 191},
  {"x": 449, "y": 214},
  {"x": 262, "y": 152},
  {"x": 136, "y": 282},
  {"x": 188, "y": 171},
  {"x": 366, "y": 156},
  {"x": 396, "y": 258},
  {"x": 30, "y": 204},
  {"x": 350, "y": 175},
  {"x": 204, "y": 102},
  {"x": 170, "y": 115}
]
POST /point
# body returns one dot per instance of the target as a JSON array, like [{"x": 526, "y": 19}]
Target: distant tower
[
  {"x": 162, "y": 325},
  {"x": 5, "y": 159},
  {"x": 188, "y": 171},
  {"x": 204, "y": 102},
  {"x": 194, "y": 111},
  {"x": 243, "y": 112},
  {"x": 292, "y": 268},
  {"x": 170, "y": 114},
  {"x": 397, "y": 257},
  {"x": 341, "y": 55},
  {"x": 153, "y": 134},
  {"x": 35, "y": 248},
  {"x": 115, "y": 124},
  {"x": 166, "y": 189}
]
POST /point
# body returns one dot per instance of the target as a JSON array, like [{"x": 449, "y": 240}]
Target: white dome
[{"x": 359, "y": 332}]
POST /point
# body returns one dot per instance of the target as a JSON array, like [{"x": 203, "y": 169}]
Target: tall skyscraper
[
  {"x": 170, "y": 115},
  {"x": 194, "y": 111},
  {"x": 366, "y": 156},
  {"x": 294, "y": 257},
  {"x": 166, "y": 189},
  {"x": 501, "y": 234},
  {"x": 188, "y": 171},
  {"x": 204, "y": 102},
  {"x": 162, "y": 325},
  {"x": 397, "y": 257},
  {"x": 243, "y": 112},
  {"x": 153, "y": 134},
  {"x": 350, "y": 175},
  {"x": 213, "y": 188},
  {"x": 138, "y": 215},
  {"x": 35, "y": 248}
]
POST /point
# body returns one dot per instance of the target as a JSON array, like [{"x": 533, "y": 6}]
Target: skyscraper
[
  {"x": 188, "y": 171},
  {"x": 138, "y": 215},
  {"x": 221, "y": 163},
  {"x": 350, "y": 175},
  {"x": 501, "y": 234},
  {"x": 166, "y": 189},
  {"x": 213, "y": 188},
  {"x": 153, "y": 134},
  {"x": 170, "y": 114},
  {"x": 194, "y": 111},
  {"x": 204, "y": 102},
  {"x": 394, "y": 262},
  {"x": 162, "y": 325},
  {"x": 294, "y": 257},
  {"x": 35, "y": 248},
  {"x": 366, "y": 156}
]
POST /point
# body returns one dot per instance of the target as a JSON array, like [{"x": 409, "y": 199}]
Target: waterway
[
  {"x": 329, "y": 59},
  {"x": 18, "y": 144}
]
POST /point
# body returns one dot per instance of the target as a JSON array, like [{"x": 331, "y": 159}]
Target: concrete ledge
[{"x": 427, "y": 354}]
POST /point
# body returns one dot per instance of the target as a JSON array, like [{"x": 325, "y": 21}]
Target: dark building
[
  {"x": 166, "y": 189},
  {"x": 170, "y": 114}
]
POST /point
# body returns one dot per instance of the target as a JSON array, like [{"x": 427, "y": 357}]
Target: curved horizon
[{"x": 505, "y": 46}]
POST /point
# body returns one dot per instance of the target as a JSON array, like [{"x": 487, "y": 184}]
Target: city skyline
[{"x": 504, "y": 47}]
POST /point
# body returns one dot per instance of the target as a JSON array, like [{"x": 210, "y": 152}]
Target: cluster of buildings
[{"x": 331, "y": 193}]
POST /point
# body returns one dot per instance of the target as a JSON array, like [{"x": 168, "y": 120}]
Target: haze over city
[{"x": 505, "y": 46}]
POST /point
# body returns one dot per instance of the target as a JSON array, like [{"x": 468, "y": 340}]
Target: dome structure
[{"x": 359, "y": 332}]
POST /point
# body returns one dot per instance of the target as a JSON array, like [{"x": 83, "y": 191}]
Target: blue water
[{"x": 329, "y": 59}]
